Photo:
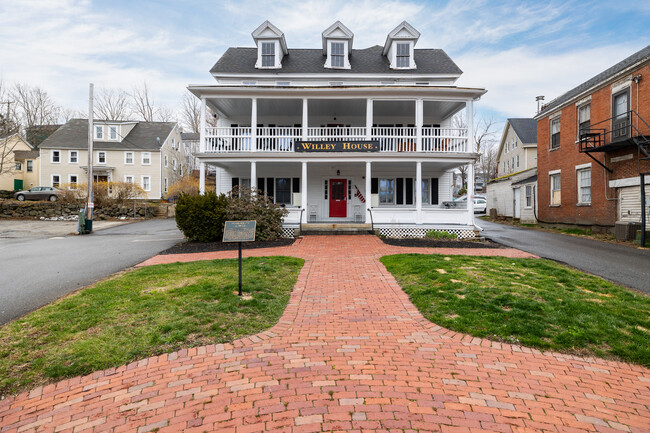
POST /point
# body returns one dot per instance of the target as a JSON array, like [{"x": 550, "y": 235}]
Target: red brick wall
[{"x": 601, "y": 211}]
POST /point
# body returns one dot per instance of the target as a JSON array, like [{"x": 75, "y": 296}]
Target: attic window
[
  {"x": 338, "y": 54},
  {"x": 268, "y": 54},
  {"x": 403, "y": 55}
]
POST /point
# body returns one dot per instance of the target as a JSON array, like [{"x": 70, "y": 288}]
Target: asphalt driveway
[
  {"x": 37, "y": 269},
  {"x": 621, "y": 264}
]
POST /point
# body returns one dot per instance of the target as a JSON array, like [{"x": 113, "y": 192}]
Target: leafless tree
[
  {"x": 165, "y": 114},
  {"x": 142, "y": 102},
  {"x": 8, "y": 127},
  {"x": 484, "y": 138},
  {"x": 112, "y": 104},
  {"x": 191, "y": 113},
  {"x": 487, "y": 163},
  {"x": 34, "y": 106}
]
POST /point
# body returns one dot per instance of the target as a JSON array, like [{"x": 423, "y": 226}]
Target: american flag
[{"x": 359, "y": 195}]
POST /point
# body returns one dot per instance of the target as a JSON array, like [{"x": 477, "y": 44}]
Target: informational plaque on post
[{"x": 239, "y": 231}]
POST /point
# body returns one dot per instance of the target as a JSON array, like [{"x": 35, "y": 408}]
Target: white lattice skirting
[
  {"x": 288, "y": 232},
  {"x": 420, "y": 232}
]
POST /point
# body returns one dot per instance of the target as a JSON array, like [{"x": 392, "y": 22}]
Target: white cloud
[{"x": 515, "y": 77}]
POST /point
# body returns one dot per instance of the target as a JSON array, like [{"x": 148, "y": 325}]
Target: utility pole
[{"x": 91, "y": 198}]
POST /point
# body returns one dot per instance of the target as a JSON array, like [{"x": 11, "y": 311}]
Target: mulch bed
[
  {"x": 206, "y": 247},
  {"x": 438, "y": 243}
]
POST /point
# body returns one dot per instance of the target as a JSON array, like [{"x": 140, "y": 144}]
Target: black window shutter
[
  {"x": 399, "y": 186},
  {"x": 260, "y": 184},
  {"x": 296, "y": 184},
  {"x": 409, "y": 190},
  {"x": 269, "y": 186},
  {"x": 235, "y": 182},
  {"x": 434, "y": 190},
  {"x": 374, "y": 185}
]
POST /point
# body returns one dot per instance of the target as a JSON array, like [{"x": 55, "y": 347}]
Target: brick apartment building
[{"x": 592, "y": 147}]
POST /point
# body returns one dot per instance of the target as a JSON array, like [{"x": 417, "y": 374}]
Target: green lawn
[
  {"x": 533, "y": 302},
  {"x": 144, "y": 312}
]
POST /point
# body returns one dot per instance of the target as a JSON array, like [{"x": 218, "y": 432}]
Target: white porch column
[
  {"x": 202, "y": 178},
  {"x": 303, "y": 192},
  {"x": 253, "y": 175},
  {"x": 471, "y": 145},
  {"x": 470, "y": 194},
  {"x": 369, "y": 117},
  {"x": 418, "y": 192},
  {"x": 368, "y": 191},
  {"x": 305, "y": 118},
  {"x": 419, "y": 120},
  {"x": 202, "y": 146},
  {"x": 253, "y": 127}
]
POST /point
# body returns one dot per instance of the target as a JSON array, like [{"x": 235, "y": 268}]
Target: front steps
[{"x": 335, "y": 229}]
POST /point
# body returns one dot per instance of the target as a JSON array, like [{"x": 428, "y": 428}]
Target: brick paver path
[{"x": 350, "y": 353}]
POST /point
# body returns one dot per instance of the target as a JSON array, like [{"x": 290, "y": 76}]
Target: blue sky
[{"x": 515, "y": 49}]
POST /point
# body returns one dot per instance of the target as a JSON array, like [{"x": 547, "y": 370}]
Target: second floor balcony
[{"x": 282, "y": 139}]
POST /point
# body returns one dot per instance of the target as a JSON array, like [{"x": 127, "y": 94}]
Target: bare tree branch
[
  {"x": 166, "y": 114},
  {"x": 142, "y": 102},
  {"x": 34, "y": 106},
  {"x": 191, "y": 113},
  {"x": 112, "y": 104}
]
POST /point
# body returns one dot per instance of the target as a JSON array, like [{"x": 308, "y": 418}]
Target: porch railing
[{"x": 282, "y": 139}]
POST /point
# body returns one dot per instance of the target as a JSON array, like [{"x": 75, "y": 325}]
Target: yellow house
[{"x": 19, "y": 164}]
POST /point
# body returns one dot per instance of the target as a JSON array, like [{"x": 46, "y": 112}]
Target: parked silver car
[{"x": 38, "y": 193}]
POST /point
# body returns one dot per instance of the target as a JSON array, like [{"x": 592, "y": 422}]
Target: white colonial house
[{"x": 342, "y": 136}]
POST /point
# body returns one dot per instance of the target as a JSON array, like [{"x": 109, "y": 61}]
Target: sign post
[{"x": 239, "y": 231}]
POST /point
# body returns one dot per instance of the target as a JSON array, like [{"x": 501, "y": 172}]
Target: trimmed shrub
[
  {"x": 201, "y": 218},
  {"x": 435, "y": 234}
]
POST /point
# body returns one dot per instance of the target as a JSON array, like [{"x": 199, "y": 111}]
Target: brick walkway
[{"x": 350, "y": 353}]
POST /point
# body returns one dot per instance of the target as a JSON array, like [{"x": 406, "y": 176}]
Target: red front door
[{"x": 338, "y": 199}]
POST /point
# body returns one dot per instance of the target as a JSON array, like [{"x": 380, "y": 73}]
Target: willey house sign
[{"x": 336, "y": 146}]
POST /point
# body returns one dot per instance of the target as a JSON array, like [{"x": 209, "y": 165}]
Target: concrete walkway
[{"x": 350, "y": 353}]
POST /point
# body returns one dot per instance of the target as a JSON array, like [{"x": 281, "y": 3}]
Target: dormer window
[
  {"x": 338, "y": 54},
  {"x": 99, "y": 132},
  {"x": 268, "y": 54},
  {"x": 112, "y": 132},
  {"x": 271, "y": 46},
  {"x": 403, "y": 55},
  {"x": 337, "y": 46}
]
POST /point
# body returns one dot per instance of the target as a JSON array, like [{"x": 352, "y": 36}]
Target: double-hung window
[
  {"x": 403, "y": 57},
  {"x": 30, "y": 166},
  {"x": 283, "y": 190},
  {"x": 73, "y": 157},
  {"x": 18, "y": 166},
  {"x": 146, "y": 158},
  {"x": 425, "y": 191},
  {"x": 101, "y": 157},
  {"x": 584, "y": 119},
  {"x": 268, "y": 54},
  {"x": 112, "y": 132},
  {"x": 128, "y": 158},
  {"x": 56, "y": 180},
  {"x": 556, "y": 196},
  {"x": 555, "y": 133},
  {"x": 584, "y": 186},
  {"x": 166, "y": 161},
  {"x": 99, "y": 132},
  {"x": 56, "y": 156},
  {"x": 529, "y": 196},
  {"x": 73, "y": 180},
  {"x": 338, "y": 54},
  {"x": 146, "y": 183},
  {"x": 386, "y": 191}
]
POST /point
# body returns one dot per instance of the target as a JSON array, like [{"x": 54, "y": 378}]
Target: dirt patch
[
  {"x": 440, "y": 243},
  {"x": 206, "y": 247}
]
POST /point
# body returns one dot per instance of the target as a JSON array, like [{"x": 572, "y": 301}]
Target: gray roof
[
  {"x": 526, "y": 129},
  {"x": 311, "y": 61},
  {"x": 190, "y": 136},
  {"x": 26, "y": 154},
  {"x": 639, "y": 56},
  {"x": 529, "y": 179},
  {"x": 143, "y": 136}
]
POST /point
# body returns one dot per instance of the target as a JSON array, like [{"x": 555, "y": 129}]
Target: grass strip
[
  {"x": 534, "y": 302},
  {"x": 144, "y": 312}
]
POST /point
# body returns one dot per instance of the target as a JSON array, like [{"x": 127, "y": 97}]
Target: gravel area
[
  {"x": 205, "y": 247},
  {"x": 438, "y": 243}
]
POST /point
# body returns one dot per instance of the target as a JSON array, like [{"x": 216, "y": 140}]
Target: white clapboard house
[{"x": 341, "y": 135}]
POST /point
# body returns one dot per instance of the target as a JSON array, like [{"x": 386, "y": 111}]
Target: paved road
[
  {"x": 620, "y": 264},
  {"x": 35, "y": 272}
]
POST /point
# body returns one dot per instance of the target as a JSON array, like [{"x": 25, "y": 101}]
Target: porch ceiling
[{"x": 290, "y": 110}]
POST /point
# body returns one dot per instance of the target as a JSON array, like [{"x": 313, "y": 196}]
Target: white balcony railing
[{"x": 282, "y": 139}]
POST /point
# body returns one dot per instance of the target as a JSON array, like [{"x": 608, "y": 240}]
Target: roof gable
[
  {"x": 404, "y": 31},
  {"x": 267, "y": 30}
]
